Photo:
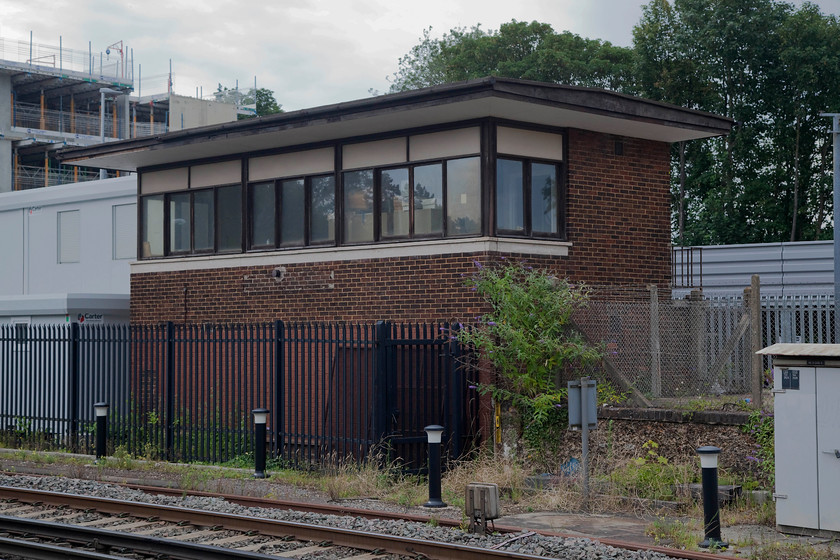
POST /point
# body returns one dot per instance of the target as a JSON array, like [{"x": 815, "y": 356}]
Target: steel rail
[
  {"x": 341, "y": 537},
  {"x": 329, "y": 509},
  {"x": 44, "y": 551},
  {"x": 340, "y": 510},
  {"x": 104, "y": 538}
]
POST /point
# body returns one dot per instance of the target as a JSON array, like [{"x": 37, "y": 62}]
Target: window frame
[
  {"x": 277, "y": 189},
  {"x": 527, "y": 176},
  {"x": 214, "y": 249},
  {"x": 378, "y": 211},
  {"x": 476, "y": 178}
]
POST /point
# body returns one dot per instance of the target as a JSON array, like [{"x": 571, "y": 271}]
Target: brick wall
[
  {"x": 619, "y": 213},
  {"x": 618, "y": 222}
]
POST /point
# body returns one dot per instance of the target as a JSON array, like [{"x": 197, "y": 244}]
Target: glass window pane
[
  {"x": 358, "y": 206},
  {"x": 205, "y": 217},
  {"x": 544, "y": 199},
  {"x": 152, "y": 227},
  {"x": 463, "y": 196},
  {"x": 395, "y": 202},
  {"x": 230, "y": 218},
  {"x": 179, "y": 223},
  {"x": 509, "y": 195},
  {"x": 292, "y": 212},
  {"x": 262, "y": 215},
  {"x": 322, "y": 219},
  {"x": 428, "y": 199}
]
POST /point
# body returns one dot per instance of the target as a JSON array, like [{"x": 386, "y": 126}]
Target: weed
[
  {"x": 761, "y": 427},
  {"x": 787, "y": 551},
  {"x": 121, "y": 459},
  {"x": 675, "y": 533},
  {"x": 651, "y": 477}
]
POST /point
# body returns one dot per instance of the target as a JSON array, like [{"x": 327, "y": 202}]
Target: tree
[
  {"x": 769, "y": 67},
  {"x": 265, "y": 102},
  {"x": 531, "y": 51}
]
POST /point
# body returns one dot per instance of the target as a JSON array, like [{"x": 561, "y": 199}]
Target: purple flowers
[
  {"x": 478, "y": 265},
  {"x": 491, "y": 323}
]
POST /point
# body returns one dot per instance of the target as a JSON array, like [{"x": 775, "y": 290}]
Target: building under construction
[{"x": 52, "y": 97}]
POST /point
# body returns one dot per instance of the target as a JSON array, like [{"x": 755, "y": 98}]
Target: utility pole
[{"x": 835, "y": 133}]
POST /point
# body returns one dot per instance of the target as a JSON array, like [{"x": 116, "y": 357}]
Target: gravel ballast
[{"x": 533, "y": 544}]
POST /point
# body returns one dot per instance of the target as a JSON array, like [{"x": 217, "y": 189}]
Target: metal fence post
[
  {"x": 75, "y": 379},
  {"x": 380, "y": 383},
  {"x": 169, "y": 442},
  {"x": 279, "y": 386},
  {"x": 455, "y": 380}
]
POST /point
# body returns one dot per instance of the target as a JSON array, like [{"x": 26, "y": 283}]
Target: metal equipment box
[{"x": 806, "y": 389}]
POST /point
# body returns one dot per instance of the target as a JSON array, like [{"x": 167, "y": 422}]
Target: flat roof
[
  {"x": 62, "y": 304},
  {"x": 540, "y": 103},
  {"x": 803, "y": 350}
]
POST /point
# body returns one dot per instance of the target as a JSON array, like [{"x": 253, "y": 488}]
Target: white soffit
[{"x": 378, "y": 120}]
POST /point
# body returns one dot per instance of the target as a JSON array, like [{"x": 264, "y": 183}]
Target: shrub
[{"x": 527, "y": 339}]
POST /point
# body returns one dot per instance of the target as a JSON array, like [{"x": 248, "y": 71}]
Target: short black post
[
  {"x": 711, "y": 507},
  {"x": 434, "y": 434},
  {"x": 260, "y": 419},
  {"x": 101, "y": 409}
]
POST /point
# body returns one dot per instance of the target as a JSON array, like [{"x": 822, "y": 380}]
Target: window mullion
[
  {"x": 192, "y": 223},
  {"x": 278, "y": 201},
  {"x": 526, "y": 197},
  {"x": 410, "y": 201},
  {"x": 377, "y": 205}
]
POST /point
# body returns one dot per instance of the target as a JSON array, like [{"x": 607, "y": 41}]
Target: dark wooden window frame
[
  {"x": 278, "y": 202},
  {"x": 167, "y": 196},
  {"x": 377, "y": 196},
  {"x": 487, "y": 170},
  {"x": 527, "y": 231}
]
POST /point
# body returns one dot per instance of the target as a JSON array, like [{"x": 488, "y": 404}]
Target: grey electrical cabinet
[{"x": 806, "y": 390}]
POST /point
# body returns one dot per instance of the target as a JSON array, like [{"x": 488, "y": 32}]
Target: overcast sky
[{"x": 309, "y": 52}]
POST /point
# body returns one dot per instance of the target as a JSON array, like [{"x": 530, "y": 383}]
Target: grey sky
[{"x": 310, "y": 52}]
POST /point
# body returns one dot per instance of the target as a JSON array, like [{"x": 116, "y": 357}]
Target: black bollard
[
  {"x": 260, "y": 419},
  {"x": 434, "y": 434},
  {"x": 711, "y": 507},
  {"x": 101, "y": 409}
]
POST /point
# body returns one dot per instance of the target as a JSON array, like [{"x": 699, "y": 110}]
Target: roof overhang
[{"x": 517, "y": 100}]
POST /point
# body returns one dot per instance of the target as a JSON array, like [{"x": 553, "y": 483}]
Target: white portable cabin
[{"x": 64, "y": 259}]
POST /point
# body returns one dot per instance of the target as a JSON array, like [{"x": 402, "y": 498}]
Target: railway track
[
  {"x": 238, "y": 533},
  {"x": 74, "y": 518}
]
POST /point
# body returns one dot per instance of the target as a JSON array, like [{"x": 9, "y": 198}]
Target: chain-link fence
[
  {"x": 667, "y": 348},
  {"x": 663, "y": 348}
]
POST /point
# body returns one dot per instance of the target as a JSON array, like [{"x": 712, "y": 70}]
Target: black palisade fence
[{"x": 336, "y": 391}]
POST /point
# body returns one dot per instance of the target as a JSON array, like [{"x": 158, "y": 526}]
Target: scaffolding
[{"x": 111, "y": 65}]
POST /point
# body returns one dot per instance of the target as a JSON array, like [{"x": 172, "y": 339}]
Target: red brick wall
[
  {"x": 619, "y": 213},
  {"x": 618, "y": 222}
]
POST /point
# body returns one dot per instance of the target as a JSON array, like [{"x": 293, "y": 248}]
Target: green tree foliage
[
  {"x": 530, "y": 51},
  {"x": 773, "y": 69},
  {"x": 264, "y": 99},
  {"x": 527, "y": 337}
]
